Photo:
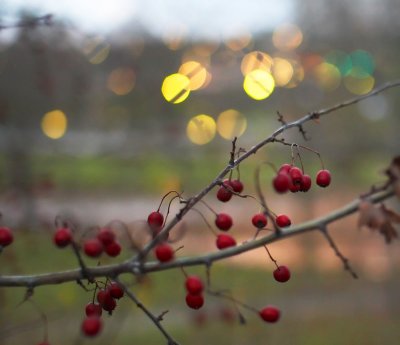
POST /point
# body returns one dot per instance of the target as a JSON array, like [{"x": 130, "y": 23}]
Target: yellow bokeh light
[
  {"x": 97, "y": 50},
  {"x": 239, "y": 43},
  {"x": 54, "y": 124},
  {"x": 121, "y": 81},
  {"x": 230, "y": 124},
  {"x": 359, "y": 86},
  {"x": 298, "y": 74},
  {"x": 287, "y": 37},
  {"x": 196, "y": 73},
  {"x": 175, "y": 88},
  {"x": 201, "y": 129},
  {"x": 256, "y": 60},
  {"x": 282, "y": 71},
  {"x": 258, "y": 84},
  {"x": 327, "y": 76}
]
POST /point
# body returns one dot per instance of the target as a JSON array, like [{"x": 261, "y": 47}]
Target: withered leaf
[
  {"x": 394, "y": 169},
  {"x": 370, "y": 216},
  {"x": 388, "y": 231},
  {"x": 391, "y": 215}
]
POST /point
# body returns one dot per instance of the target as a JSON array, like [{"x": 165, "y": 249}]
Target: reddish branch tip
[
  {"x": 270, "y": 314},
  {"x": 225, "y": 241},
  {"x": 223, "y": 221},
  {"x": 6, "y": 236},
  {"x": 282, "y": 274},
  {"x": 194, "y": 301},
  {"x": 62, "y": 237},
  {"x": 194, "y": 285},
  {"x": 259, "y": 220},
  {"x": 323, "y": 178},
  {"x": 164, "y": 252},
  {"x": 91, "y": 326}
]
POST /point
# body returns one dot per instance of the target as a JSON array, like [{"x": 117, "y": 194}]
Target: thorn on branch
[
  {"x": 303, "y": 133},
  {"x": 233, "y": 152},
  {"x": 345, "y": 261},
  {"x": 281, "y": 119}
]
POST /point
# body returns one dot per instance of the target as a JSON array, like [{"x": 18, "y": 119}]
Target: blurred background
[{"x": 107, "y": 105}]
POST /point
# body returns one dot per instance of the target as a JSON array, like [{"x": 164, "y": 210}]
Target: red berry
[
  {"x": 194, "y": 285},
  {"x": 91, "y": 326},
  {"x": 106, "y": 236},
  {"x": 225, "y": 241},
  {"x": 305, "y": 183},
  {"x": 281, "y": 182},
  {"x": 283, "y": 221},
  {"x": 62, "y": 237},
  {"x": 259, "y": 220},
  {"x": 115, "y": 290},
  {"x": 6, "y": 236},
  {"x": 296, "y": 175},
  {"x": 194, "y": 301},
  {"x": 270, "y": 314},
  {"x": 223, "y": 221},
  {"x": 282, "y": 274},
  {"x": 109, "y": 304},
  {"x": 92, "y": 309},
  {"x": 285, "y": 168},
  {"x": 155, "y": 221},
  {"x": 237, "y": 186},
  {"x": 113, "y": 249},
  {"x": 164, "y": 252},
  {"x": 323, "y": 178},
  {"x": 294, "y": 187},
  {"x": 93, "y": 247},
  {"x": 224, "y": 194},
  {"x": 102, "y": 295}
]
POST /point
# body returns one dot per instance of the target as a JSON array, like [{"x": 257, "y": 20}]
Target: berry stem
[
  {"x": 205, "y": 221},
  {"x": 162, "y": 199},
  {"x": 221, "y": 294},
  {"x": 270, "y": 256}
]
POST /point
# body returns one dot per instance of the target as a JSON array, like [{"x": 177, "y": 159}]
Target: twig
[
  {"x": 155, "y": 319},
  {"x": 345, "y": 261}
]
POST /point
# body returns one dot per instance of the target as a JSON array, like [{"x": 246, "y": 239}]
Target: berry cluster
[
  {"x": 194, "y": 288},
  {"x": 106, "y": 300},
  {"x": 105, "y": 241}
]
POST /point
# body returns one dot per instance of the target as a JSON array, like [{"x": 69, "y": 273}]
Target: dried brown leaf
[
  {"x": 394, "y": 169},
  {"x": 370, "y": 216},
  {"x": 391, "y": 215},
  {"x": 388, "y": 231}
]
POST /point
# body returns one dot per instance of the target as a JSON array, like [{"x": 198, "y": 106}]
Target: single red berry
[
  {"x": 281, "y": 182},
  {"x": 194, "y": 301},
  {"x": 237, "y": 186},
  {"x": 116, "y": 291},
  {"x": 282, "y": 274},
  {"x": 194, "y": 285},
  {"x": 224, "y": 194},
  {"x": 283, "y": 221},
  {"x": 93, "y": 247},
  {"x": 323, "y": 178},
  {"x": 155, "y": 221},
  {"x": 223, "y": 221},
  {"x": 113, "y": 249},
  {"x": 305, "y": 183},
  {"x": 92, "y": 309},
  {"x": 62, "y": 237},
  {"x": 270, "y": 314},
  {"x": 259, "y": 220},
  {"x": 225, "y": 241},
  {"x": 106, "y": 236},
  {"x": 102, "y": 295},
  {"x": 294, "y": 187},
  {"x": 109, "y": 304},
  {"x": 285, "y": 168},
  {"x": 296, "y": 175},
  {"x": 6, "y": 236},
  {"x": 164, "y": 252},
  {"x": 91, "y": 326}
]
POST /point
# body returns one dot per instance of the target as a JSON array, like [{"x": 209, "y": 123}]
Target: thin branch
[
  {"x": 155, "y": 319},
  {"x": 338, "y": 253},
  {"x": 140, "y": 268}
]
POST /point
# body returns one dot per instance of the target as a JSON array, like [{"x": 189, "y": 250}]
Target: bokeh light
[
  {"x": 256, "y": 60},
  {"x": 196, "y": 73},
  {"x": 121, "y": 81},
  {"x": 298, "y": 74},
  {"x": 287, "y": 37},
  {"x": 175, "y": 88},
  {"x": 96, "y": 50},
  {"x": 238, "y": 43},
  {"x": 363, "y": 64},
  {"x": 259, "y": 84},
  {"x": 282, "y": 71},
  {"x": 230, "y": 124},
  {"x": 340, "y": 60},
  {"x": 359, "y": 86},
  {"x": 375, "y": 108},
  {"x": 54, "y": 124},
  {"x": 327, "y": 76},
  {"x": 201, "y": 129}
]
